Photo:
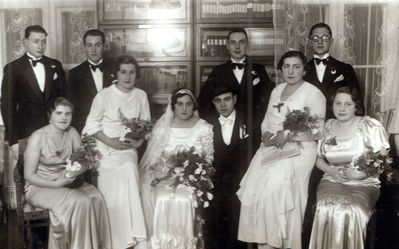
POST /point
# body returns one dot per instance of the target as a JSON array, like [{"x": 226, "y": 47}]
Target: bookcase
[{"x": 178, "y": 42}]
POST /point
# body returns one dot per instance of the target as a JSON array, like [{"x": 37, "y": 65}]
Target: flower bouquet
[
  {"x": 302, "y": 125},
  {"x": 134, "y": 128},
  {"x": 188, "y": 168},
  {"x": 81, "y": 160},
  {"x": 373, "y": 163}
]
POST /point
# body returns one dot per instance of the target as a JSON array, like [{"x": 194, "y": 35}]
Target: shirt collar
[
  {"x": 95, "y": 64},
  {"x": 232, "y": 115},
  {"x": 33, "y": 57},
  {"x": 240, "y": 61},
  {"x": 325, "y": 56}
]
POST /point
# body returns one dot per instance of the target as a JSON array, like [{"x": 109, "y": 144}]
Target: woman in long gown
[
  {"x": 273, "y": 192},
  {"x": 346, "y": 196},
  {"x": 118, "y": 177},
  {"x": 78, "y": 216},
  {"x": 170, "y": 213}
]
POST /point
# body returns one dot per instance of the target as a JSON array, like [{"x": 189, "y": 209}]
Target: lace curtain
[{"x": 363, "y": 35}]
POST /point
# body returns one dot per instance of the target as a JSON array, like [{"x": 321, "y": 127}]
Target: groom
[{"x": 230, "y": 140}]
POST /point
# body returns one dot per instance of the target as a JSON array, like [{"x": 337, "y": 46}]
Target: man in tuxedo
[
  {"x": 88, "y": 78},
  {"x": 251, "y": 80},
  {"x": 230, "y": 140},
  {"x": 29, "y": 84},
  {"x": 324, "y": 71},
  {"x": 328, "y": 74}
]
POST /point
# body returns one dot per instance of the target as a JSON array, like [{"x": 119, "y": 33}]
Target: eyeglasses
[
  {"x": 240, "y": 42},
  {"x": 323, "y": 38}
]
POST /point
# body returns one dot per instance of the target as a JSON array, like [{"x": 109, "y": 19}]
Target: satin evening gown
[
  {"x": 171, "y": 212},
  {"x": 343, "y": 209},
  {"x": 118, "y": 177},
  {"x": 78, "y": 216},
  {"x": 273, "y": 193}
]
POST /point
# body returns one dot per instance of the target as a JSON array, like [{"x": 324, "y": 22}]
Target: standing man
[
  {"x": 324, "y": 71},
  {"x": 29, "y": 84},
  {"x": 87, "y": 79},
  {"x": 230, "y": 140},
  {"x": 328, "y": 74},
  {"x": 251, "y": 80}
]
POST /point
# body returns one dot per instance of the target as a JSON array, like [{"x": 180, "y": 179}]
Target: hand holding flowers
[
  {"x": 302, "y": 125},
  {"x": 373, "y": 163},
  {"x": 134, "y": 129}
]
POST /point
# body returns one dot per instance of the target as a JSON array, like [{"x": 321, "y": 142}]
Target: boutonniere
[
  {"x": 54, "y": 68},
  {"x": 333, "y": 71},
  {"x": 331, "y": 141},
  {"x": 256, "y": 78},
  {"x": 339, "y": 78},
  {"x": 243, "y": 132}
]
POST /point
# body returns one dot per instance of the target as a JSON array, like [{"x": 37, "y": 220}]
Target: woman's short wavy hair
[
  {"x": 57, "y": 102},
  {"x": 355, "y": 96},
  {"x": 180, "y": 93},
  {"x": 126, "y": 59},
  {"x": 290, "y": 54}
]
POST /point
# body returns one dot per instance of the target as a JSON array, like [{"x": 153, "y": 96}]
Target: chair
[{"x": 22, "y": 217}]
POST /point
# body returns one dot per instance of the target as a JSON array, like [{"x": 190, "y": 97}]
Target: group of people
[{"x": 265, "y": 183}]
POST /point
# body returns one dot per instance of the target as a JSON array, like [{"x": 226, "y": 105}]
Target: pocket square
[
  {"x": 55, "y": 76},
  {"x": 339, "y": 78}
]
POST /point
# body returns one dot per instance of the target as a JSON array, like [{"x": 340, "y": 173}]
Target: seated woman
[
  {"x": 170, "y": 212},
  {"x": 346, "y": 196},
  {"x": 273, "y": 192},
  {"x": 78, "y": 217},
  {"x": 118, "y": 177}
]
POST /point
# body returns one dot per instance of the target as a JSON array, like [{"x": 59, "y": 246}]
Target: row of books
[{"x": 226, "y": 9}]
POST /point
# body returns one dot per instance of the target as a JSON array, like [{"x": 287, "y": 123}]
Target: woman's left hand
[
  {"x": 280, "y": 139},
  {"x": 354, "y": 174}
]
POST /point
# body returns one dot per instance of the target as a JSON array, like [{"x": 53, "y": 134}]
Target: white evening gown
[
  {"x": 171, "y": 213},
  {"x": 118, "y": 177},
  {"x": 273, "y": 195}
]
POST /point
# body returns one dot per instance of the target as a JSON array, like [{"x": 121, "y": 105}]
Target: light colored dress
[
  {"x": 172, "y": 217},
  {"x": 273, "y": 195},
  {"x": 78, "y": 216},
  {"x": 118, "y": 177},
  {"x": 343, "y": 209}
]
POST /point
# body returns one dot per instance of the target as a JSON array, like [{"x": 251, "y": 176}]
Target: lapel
[
  {"x": 312, "y": 74},
  {"x": 48, "y": 83},
  {"x": 230, "y": 73},
  {"x": 328, "y": 77},
  {"x": 88, "y": 79},
  {"x": 27, "y": 70}
]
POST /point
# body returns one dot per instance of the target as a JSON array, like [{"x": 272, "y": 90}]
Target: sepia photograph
[{"x": 199, "y": 124}]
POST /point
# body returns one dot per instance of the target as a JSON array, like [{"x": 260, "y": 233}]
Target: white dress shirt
[
  {"x": 238, "y": 72},
  {"x": 97, "y": 75},
  {"x": 39, "y": 71},
  {"x": 321, "y": 68},
  {"x": 227, "y": 125}
]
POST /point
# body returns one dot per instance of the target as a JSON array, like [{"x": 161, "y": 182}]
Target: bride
[{"x": 170, "y": 213}]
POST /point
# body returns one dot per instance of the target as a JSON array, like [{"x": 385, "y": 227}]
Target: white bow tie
[{"x": 224, "y": 121}]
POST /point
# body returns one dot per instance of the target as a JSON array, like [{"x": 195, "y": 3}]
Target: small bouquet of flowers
[
  {"x": 188, "y": 168},
  {"x": 85, "y": 158},
  {"x": 373, "y": 163},
  {"x": 302, "y": 124},
  {"x": 134, "y": 128}
]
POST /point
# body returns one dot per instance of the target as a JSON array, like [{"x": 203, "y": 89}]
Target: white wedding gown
[{"x": 170, "y": 213}]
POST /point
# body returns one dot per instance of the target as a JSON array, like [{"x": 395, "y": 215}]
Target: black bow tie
[
  {"x": 94, "y": 67},
  {"x": 239, "y": 65},
  {"x": 34, "y": 62},
  {"x": 321, "y": 60}
]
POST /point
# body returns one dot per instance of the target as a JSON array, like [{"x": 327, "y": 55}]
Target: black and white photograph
[{"x": 199, "y": 124}]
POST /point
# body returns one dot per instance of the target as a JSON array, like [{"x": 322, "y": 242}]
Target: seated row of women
[{"x": 127, "y": 211}]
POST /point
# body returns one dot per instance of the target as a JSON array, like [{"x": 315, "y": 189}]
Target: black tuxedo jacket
[
  {"x": 230, "y": 161},
  {"x": 23, "y": 104},
  {"x": 82, "y": 89},
  {"x": 252, "y": 98},
  {"x": 335, "y": 70}
]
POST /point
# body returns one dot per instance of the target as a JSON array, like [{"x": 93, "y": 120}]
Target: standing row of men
[{"x": 234, "y": 99}]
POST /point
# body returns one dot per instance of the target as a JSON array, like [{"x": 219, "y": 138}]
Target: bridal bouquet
[
  {"x": 188, "y": 168},
  {"x": 372, "y": 163},
  {"x": 85, "y": 158},
  {"x": 134, "y": 128},
  {"x": 301, "y": 123}
]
